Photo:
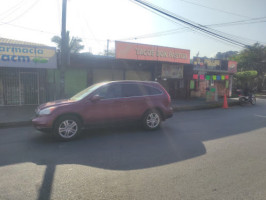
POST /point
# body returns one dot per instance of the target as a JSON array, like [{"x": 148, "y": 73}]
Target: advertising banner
[
  {"x": 134, "y": 51},
  {"x": 172, "y": 71},
  {"x": 26, "y": 56},
  {"x": 232, "y": 66},
  {"x": 206, "y": 63}
]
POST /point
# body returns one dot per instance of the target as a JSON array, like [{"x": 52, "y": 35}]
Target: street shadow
[
  {"x": 130, "y": 147},
  {"x": 115, "y": 148}
]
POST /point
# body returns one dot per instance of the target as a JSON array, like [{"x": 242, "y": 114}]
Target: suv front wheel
[
  {"x": 152, "y": 120},
  {"x": 67, "y": 127}
]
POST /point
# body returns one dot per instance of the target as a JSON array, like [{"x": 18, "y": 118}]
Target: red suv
[{"x": 103, "y": 103}]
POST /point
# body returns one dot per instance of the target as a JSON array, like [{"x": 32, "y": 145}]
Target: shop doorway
[
  {"x": 176, "y": 88},
  {"x": 22, "y": 86}
]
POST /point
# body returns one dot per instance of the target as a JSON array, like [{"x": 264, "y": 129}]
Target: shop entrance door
[
  {"x": 172, "y": 85},
  {"x": 176, "y": 88},
  {"x": 29, "y": 88}
]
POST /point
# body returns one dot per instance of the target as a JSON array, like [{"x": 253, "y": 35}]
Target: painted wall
[
  {"x": 138, "y": 75},
  {"x": 75, "y": 81},
  {"x": 100, "y": 75}
]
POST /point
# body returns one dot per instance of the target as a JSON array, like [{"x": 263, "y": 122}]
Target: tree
[
  {"x": 226, "y": 55},
  {"x": 74, "y": 44},
  {"x": 253, "y": 58},
  {"x": 246, "y": 78},
  {"x": 111, "y": 52}
]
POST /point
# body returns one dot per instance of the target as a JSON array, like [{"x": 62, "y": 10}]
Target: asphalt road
[{"x": 217, "y": 154}]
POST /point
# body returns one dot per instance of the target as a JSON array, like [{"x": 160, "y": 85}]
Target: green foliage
[
  {"x": 246, "y": 75},
  {"x": 74, "y": 44},
  {"x": 226, "y": 55},
  {"x": 253, "y": 58}
]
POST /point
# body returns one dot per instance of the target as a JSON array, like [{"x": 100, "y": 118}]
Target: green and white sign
[{"x": 27, "y": 56}]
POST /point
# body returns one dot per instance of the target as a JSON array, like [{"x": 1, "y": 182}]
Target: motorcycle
[{"x": 246, "y": 98}]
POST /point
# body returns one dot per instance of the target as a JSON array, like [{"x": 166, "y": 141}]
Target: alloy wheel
[
  {"x": 68, "y": 129},
  {"x": 153, "y": 120}
]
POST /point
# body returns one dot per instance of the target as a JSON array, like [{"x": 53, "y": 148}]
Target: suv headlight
[{"x": 46, "y": 111}]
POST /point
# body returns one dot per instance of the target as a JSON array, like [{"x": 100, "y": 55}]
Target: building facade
[
  {"x": 23, "y": 72},
  {"x": 212, "y": 78},
  {"x": 29, "y": 73},
  {"x": 170, "y": 66}
]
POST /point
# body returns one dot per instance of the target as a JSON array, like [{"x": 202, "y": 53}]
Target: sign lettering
[
  {"x": 17, "y": 55},
  {"x": 135, "y": 51}
]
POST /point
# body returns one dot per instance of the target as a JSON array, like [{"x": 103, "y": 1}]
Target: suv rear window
[
  {"x": 134, "y": 90},
  {"x": 131, "y": 90},
  {"x": 126, "y": 90},
  {"x": 147, "y": 90}
]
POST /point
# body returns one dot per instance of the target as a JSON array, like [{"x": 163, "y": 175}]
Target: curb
[
  {"x": 175, "y": 109},
  {"x": 202, "y": 107}
]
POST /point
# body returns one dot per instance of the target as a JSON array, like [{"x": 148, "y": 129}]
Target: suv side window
[
  {"x": 131, "y": 90},
  {"x": 110, "y": 92},
  {"x": 148, "y": 90}
]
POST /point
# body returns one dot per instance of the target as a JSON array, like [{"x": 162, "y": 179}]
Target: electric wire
[
  {"x": 216, "y": 9},
  {"x": 240, "y": 22},
  {"x": 178, "y": 30},
  {"x": 28, "y": 28},
  {"x": 11, "y": 10},
  {"x": 27, "y": 10},
  {"x": 80, "y": 15},
  {"x": 191, "y": 24}
]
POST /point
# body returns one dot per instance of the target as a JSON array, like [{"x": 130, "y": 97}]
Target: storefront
[
  {"x": 169, "y": 66},
  {"x": 212, "y": 78},
  {"x": 23, "y": 72}
]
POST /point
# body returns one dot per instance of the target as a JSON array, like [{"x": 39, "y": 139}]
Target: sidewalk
[
  {"x": 22, "y": 115},
  {"x": 198, "y": 104}
]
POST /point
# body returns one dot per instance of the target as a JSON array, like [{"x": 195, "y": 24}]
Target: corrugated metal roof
[{"x": 10, "y": 41}]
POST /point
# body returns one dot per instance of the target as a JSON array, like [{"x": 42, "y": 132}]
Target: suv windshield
[{"x": 86, "y": 92}]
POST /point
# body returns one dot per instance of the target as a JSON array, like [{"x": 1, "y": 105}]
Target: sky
[{"x": 97, "y": 21}]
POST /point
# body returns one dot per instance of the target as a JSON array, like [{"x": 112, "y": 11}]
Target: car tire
[
  {"x": 242, "y": 101},
  {"x": 67, "y": 127},
  {"x": 152, "y": 120},
  {"x": 253, "y": 100}
]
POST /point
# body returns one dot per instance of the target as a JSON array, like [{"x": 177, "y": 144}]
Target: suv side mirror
[{"x": 96, "y": 98}]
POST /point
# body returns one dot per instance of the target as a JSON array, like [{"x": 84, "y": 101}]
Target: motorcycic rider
[{"x": 247, "y": 91}]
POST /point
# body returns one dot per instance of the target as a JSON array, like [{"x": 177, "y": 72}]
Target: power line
[
  {"x": 27, "y": 28},
  {"x": 174, "y": 31},
  {"x": 12, "y": 9},
  {"x": 211, "y": 8},
  {"x": 237, "y": 38},
  {"x": 191, "y": 24},
  {"x": 27, "y": 10}
]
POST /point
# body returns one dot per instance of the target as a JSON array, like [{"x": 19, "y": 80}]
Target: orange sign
[{"x": 134, "y": 51}]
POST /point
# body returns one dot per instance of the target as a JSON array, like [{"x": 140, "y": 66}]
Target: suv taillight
[{"x": 168, "y": 96}]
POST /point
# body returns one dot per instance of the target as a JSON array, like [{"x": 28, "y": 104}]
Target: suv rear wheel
[
  {"x": 67, "y": 127},
  {"x": 152, "y": 120}
]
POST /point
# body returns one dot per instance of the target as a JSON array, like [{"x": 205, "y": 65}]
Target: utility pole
[{"x": 63, "y": 50}]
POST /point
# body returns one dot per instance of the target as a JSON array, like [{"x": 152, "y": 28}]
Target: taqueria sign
[
  {"x": 26, "y": 56},
  {"x": 134, "y": 51}
]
